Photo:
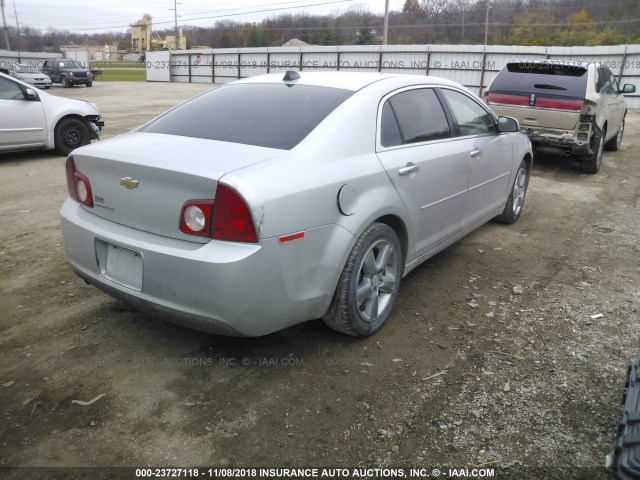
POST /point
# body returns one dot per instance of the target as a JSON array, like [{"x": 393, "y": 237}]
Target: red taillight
[
  {"x": 559, "y": 104},
  {"x": 231, "y": 217},
  {"x": 78, "y": 185},
  {"x": 195, "y": 217},
  {"x": 503, "y": 99},
  {"x": 225, "y": 218}
]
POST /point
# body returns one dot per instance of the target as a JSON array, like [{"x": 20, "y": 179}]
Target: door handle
[
  {"x": 476, "y": 153},
  {"x": 409, "y": 169}
]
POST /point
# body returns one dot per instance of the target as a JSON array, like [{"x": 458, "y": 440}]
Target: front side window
[
  {"x": 471, "y": 118},
  {"x": 10, "y": 90},
  {"x": 413, "y": 116}
]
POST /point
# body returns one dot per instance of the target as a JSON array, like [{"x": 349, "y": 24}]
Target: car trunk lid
[
  {"x": 540, "y": 94},
  {"x": 142, "y": 180}
]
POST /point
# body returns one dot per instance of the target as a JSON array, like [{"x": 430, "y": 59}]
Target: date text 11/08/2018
[{"x": 228, "y": 472}]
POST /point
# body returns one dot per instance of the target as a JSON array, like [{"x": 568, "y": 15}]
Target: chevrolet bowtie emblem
[{"x": 129, "y": 182}]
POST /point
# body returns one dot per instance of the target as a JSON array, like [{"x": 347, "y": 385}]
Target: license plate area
[{"x": 119, "y": 264}]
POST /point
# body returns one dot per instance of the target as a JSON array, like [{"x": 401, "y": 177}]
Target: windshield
[
  {"x": 267, "y": 115},
  {"x": 69, "y": 64},
  {"x": 26, "y": 69}
]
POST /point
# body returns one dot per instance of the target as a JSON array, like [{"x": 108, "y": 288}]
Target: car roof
[{"x": 346, "y": 80}]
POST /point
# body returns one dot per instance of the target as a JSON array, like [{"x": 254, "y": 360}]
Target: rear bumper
[
  {"x": 558, "y": 140},
  {"x": 218, "y": 287}
]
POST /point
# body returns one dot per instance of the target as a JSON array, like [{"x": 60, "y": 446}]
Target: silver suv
[{"x": 570, "y": 108}]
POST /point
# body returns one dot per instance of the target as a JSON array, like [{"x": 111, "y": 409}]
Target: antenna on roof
[{"x": 290, "y": 76}]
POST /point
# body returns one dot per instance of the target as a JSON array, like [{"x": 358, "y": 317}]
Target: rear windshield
[
  {"x": 542, "y": 78},
  {"x": 266, "y": 115}
]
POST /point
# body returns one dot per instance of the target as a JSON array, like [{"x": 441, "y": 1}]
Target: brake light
[
  {"x": 559, "y": 104},
  {"x": 231, "y": 217},
  {"x": 504, "y": 99},
  {"x": 226, "y": 217},
  {"x": 195, "y": 217},
  {"x": 78, "y": 185}
]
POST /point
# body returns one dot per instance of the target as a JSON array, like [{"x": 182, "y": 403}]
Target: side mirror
[
  {"x": 508, "y": 124},
  {"x": 30, "y": 94},
  {"x": 628, "y": 88}
]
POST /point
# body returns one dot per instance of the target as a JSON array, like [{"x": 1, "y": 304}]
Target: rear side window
[
  {"x": 606, "y": 82},
  {"x": 413, "y": 116},
  {"x": 543, "y": 78},
  {"x": 267, "y": 115}
]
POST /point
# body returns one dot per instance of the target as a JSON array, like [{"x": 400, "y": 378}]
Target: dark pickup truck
[{"x": 67, "y": 72}]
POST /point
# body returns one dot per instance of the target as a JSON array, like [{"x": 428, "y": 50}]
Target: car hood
[
  {"x": 32, "y": 76},
  {"x": 61, "y": 106}
]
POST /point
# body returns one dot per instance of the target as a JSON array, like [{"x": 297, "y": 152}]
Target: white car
[
  {"x": 30, "y": 75},
  {"x": 39, "y": 120}
]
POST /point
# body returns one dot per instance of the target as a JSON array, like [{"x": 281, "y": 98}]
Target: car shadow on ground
[
  {"x": 307, "y": 340},
  {"x": 546, "y": 163}
]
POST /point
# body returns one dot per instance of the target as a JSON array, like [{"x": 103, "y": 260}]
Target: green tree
[
  {"x": 581, "y": 29},
  {"x": 225, "y": 41},
  {"x": 257, "y": 37},
  {"x": 411, "y": 6},
  {"x": 533, "y": 28},
  {"x": 365, "y": 35}
]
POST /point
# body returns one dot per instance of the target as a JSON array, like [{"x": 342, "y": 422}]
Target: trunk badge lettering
[{"x": 129, "y": 182}]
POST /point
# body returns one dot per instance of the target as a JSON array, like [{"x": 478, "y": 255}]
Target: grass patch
[{"x": 122, "y": 76}]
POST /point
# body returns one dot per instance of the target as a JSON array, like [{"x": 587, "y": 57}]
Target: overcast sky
[{"x": 100, "y": 16}]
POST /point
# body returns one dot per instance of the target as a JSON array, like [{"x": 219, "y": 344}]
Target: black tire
[
  {"x": 71, "y": 133},
  {"x": 591, "y": 163},
  {"x": 375, "y": 266},
  {"x": 515, "y": 202},
  {"x": 89, "y": 84},
  {"x": 47, "y": 87},
  {"x": 65, "y": 82},
  {"x": 614, "y": 144}
]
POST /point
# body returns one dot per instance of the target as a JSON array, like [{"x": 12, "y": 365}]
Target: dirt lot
[{"x": 470, "y": 371}]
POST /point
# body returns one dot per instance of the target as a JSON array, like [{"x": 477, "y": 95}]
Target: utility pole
[
  {"x": 6, "y": 29},
  {"x": 175, "y": 13},
  {"x": 463, "y": 7},
  {"x": 16, "y": 14},
  {"x": 486, "y": 21},
  {"x": 385, "y": 31}
]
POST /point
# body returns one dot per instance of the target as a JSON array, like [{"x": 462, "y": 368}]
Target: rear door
[
  {"x": 427, "y": 167},
  {"x": 540, "y": 95},
  {"x": 22, "y": 121},
  {"x": 613, "y": 102}
]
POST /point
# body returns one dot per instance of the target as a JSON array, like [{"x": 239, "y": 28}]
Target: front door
[
  {"x": 427, "y": 168},
  {"x": 22, "y": 121}
]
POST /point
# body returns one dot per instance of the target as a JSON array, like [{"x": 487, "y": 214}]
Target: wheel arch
[
  {"x": 528, "y": 160},
  {"x": 54, "y": 125},
  {"x": 74, "y": 116},
  {"x": 399, "y": 227}
]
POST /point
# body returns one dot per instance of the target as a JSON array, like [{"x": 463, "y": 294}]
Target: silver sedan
[{"x": 282, "y": 198}]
